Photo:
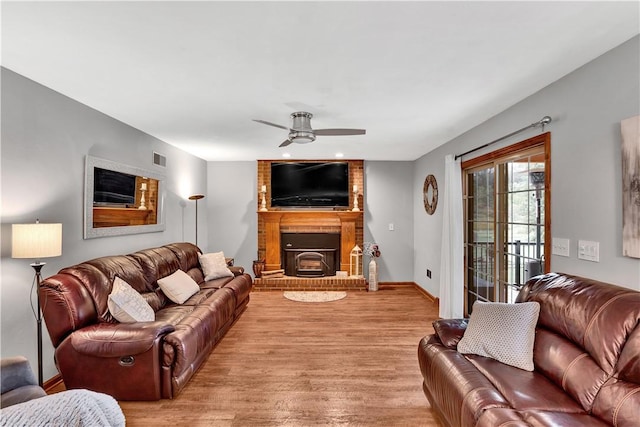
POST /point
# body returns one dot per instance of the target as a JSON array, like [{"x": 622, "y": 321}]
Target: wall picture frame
[{"x": 631, "y": 187}]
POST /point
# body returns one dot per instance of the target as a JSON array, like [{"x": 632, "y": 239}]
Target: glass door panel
[
  {"x": 480, "y": 235},
  {"x": 505, "y": 224}
]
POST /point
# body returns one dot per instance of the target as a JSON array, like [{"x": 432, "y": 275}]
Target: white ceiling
[{"x": 413, "y": 74}]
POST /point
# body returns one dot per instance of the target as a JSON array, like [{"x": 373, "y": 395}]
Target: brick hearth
[{"x": 289, "y": 283}]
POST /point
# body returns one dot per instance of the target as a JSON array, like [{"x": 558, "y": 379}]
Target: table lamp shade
[{"x": 36, "y": 240}]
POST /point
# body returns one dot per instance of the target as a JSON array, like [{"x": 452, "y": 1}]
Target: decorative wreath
[{"x": 430, "y": 205}]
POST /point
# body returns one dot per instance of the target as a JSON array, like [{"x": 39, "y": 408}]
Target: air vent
[{"x": 159, "y": 160}]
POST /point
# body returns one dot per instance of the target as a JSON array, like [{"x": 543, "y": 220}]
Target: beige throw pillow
[
  {"x": 126, "y": 305},
  {"x": 214, "y": 266},
  {"x": 178, "y": 287},
  {"x": 505, "y": 332}
]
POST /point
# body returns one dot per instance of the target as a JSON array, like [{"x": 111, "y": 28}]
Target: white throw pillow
[
  {"x": 178, "y": 287},
  {"x": 505, "y": 332},
  {"x": 126, "y": 305},
  {"x": 214, "y": 266}
]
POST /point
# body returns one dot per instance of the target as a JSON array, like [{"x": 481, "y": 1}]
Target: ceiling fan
[{"x": 301, "y": 132}]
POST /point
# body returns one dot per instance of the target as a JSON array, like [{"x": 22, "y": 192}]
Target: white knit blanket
[{"x": 68, "y": 408}]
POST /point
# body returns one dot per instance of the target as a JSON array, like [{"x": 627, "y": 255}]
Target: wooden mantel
[{"x": 344, "y": 222}]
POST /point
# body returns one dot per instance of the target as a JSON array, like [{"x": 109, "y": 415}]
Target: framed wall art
[{"x": 631, "y": 187}]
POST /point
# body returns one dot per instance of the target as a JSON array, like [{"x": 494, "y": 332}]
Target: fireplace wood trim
[{"x": 321, "y": 220}]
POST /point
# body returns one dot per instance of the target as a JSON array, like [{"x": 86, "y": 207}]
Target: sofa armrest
[
  {"x": 16, "y": 372},
  {"x": 450, "y": 331},
  {"x": 118, "y": 339},
  {"x": 237, "y": 271}
]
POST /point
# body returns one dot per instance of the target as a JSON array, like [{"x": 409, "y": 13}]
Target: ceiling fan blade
[
  {"x": 336, "y": 132},
  {"x": 285, "y": 143},
  {"x": 271, "y": 124}
]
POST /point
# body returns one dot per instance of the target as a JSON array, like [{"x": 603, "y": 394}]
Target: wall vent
[{"x": 159, "y": 160}]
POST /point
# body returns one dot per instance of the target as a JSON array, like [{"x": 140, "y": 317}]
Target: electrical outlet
[
  {"x": 428, "y": 273},
  {"x": 391, "y": 227}
]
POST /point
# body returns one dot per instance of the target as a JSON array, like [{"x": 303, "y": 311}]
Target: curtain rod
[{"x": 543, "y": 121}]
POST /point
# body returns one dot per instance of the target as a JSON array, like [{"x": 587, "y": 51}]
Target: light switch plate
[
  {"x": 560, "y": 246},
  {"x": 588, "y": 250}
]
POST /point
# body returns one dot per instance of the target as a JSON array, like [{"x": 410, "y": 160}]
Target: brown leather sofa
[
  {"x": 586, "y": 357},
  {"x": 143, "y": 360}
]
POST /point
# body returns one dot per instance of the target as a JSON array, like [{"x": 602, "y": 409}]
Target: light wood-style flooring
[{"x": 351, "y": 362}]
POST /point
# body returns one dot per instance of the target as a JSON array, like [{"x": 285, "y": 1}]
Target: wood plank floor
[{"x": 350, "y": 362}]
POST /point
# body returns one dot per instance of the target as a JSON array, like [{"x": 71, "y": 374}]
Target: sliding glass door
[{"x": 506, "y": 196}]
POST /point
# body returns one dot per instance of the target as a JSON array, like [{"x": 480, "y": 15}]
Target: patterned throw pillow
[
  {"x": 126, "y": 305},
  {"x": 178, "y": 287},
  {"x": 214, "y": 266},
  {"x": 504, "y": 332}
]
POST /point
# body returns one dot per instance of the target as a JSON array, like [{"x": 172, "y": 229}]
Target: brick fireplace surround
[{"x": 272, "y": 223}]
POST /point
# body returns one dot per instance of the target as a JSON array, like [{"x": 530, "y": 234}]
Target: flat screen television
[
  {"x": 113, "y": 188},
  {"x": 310, "y": 184}
]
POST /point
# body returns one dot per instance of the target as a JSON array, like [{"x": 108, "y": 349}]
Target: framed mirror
[
  {"x": 430, "y": 194},
  {"x": 121, "y": 199}
]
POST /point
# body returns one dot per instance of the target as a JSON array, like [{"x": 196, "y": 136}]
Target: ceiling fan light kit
[{"x": 302, "y": 133}]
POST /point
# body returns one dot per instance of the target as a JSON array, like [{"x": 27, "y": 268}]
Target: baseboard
[
  {"x": 423, "y": 291},
  {"x": 54, "y": 385},
  {"x": 394, "y": 284}
]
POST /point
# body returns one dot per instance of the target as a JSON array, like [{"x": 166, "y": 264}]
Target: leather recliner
[
  {"x": 586, "y": 357},
  {"x": 143, "y": 360}
]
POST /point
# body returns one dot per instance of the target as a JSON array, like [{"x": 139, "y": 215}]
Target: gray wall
[
  {"x": 587, "y": 106},
  {"x": 389, "y": 200},
  {"x": 45, "y": 139},
  {"x": 232, "y": 207}
]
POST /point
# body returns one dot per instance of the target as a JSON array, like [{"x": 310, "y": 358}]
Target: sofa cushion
[
  {"x": 97, "y": 277},
  {"x": 178, "y": 287},
  {"x": 568, "y": 366},
  {"x": 187, "y": 255},
  {"x": 156, "y": 263},
  {"x": 525, "y": 390},
  {"x": 505, "y": 332},
  {"x": 216, "y": 283},
  {"x": 127, "y": 305},
  {"x": 597, "y": 316},
  {"x": 214, "y": 266}
]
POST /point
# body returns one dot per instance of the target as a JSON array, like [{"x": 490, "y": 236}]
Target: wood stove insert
[{"x": 310, "y": 254}]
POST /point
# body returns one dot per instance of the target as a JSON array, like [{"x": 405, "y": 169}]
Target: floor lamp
[
  {"x": 36, "y": 241},
  {"x": 196, "y": 197}
]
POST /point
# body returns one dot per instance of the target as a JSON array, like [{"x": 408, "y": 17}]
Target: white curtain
[{"x": 451, "y": 264}]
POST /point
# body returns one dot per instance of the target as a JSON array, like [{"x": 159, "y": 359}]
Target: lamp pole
[
  {"x": 196, "y": 197},
  {"x": 37, "y": 266}
]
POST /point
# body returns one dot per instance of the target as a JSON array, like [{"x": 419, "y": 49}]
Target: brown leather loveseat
[
  {"x": 586, "y": 363},
  {"x": 141, "y": 360}
]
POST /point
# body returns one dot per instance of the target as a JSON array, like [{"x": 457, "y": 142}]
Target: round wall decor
[{"x": 430, "y": 194}]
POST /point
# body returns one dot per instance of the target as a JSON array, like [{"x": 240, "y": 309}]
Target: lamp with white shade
[{"x": 37, "y": 241}]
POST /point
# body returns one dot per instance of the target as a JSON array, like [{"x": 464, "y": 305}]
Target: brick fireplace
[{"x": 344, "y": 225}]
